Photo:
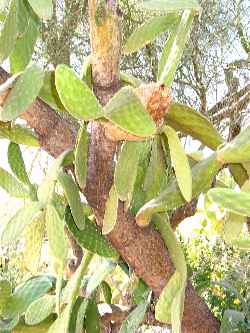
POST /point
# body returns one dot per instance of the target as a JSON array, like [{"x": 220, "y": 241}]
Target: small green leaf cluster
[{"x": 44, "y": 209}]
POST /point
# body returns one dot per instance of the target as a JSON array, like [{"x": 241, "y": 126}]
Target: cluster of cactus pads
[{"x": 153, "y": 175}]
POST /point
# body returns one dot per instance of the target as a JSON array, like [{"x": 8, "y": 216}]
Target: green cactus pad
[
  {"x": 75, "y": 95},
  {"x": 127, "y": 112}
]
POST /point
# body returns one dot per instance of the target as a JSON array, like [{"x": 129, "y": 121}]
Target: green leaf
[
  {"x": 188, "y": 121},
  {"x": 31, "y": 290},
  {"x": 236, "y": 151},
  {"x": 8, "y": 34},
  {"x": 23, "y": 94},
  {"x": 127, "y": 112},
  {"x": 236, "y": 202},
  {"x": 180, "y": 163},
  {"x": 8, "y": 325},
  {"x": 110, "y": 215},
  {"x": 81, "y": 156},
  {"x": 9, "y": 315},
  {"x": 75, "y": 95},
  {"x": 48, "y": 92},
  {"x": 242, "y": 242},
  {"x": 231, "y": 320},
  {"x": 23, "y": 296},
  {"x": 174, "y": 48},
  {"x": 73, "y": 197},
  {"x": 162, "y": 224},
  {"x": 177, "y": 312},
  {"x": 59, "y": 269},
  {"x": 148, "y": 31},
  {"x": 171, "y": 5},
  {"x": 16, "y": 163},
  {"x": 239, "y": 173},
  {"x": 99, "y": 275},
  {"x": 171, "y": 295},
  {"x": 57, "y": 239},
  {"x": 47, "y": 187},
  {"x": 90, "y": 238},
  {"x": 139, "y": 196},
  {"x": 202, "y": 173},
  {"x": 139, "y": 292},
  {"x": 19, "y": 135},
  {"x": 62, "y": 323},
  {"x": 22, "y": 16},
  {"x": 5, "y": 289},
  {"x": 6, "y": 303},
  {"x": 34, "y": 238},
  {"x": 135, "y": 318},
  {"x": 19, "y": 222},
  {"x": 234, "y": 223},
  {"x": 11, "y": 185},
  {"x": 81, "y": 316},
  {"x": 40, "y": 328},
  {"x": 40, "y": 309},
  {"x": 2, "y": 15},
  {"x": 68, "y": 292},
  {"x": 43, "y": 8},
  {"x": 107, "y": 292},
  {"x": 155, "y": 175},
  {"x": 126, "y": 170},
  {"x": 233, "y": 226},
  {"x": 23, "y": 50},
  {"x": 92, "y": 321},
  {"x": 129, "y": 79},
  {"x": 75, "y": 315},
  {"x": 86, "y": 72},
  {"x": 163, "y": 305}
]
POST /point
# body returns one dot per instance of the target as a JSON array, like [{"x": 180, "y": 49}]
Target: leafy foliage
[
  {"x": 126, "y": 111},
  {"x": 172, "y": 52},
  {"x": 180, "y": 163},
  {"x": 110, "y": 215},
  {"x": 149, "y": 31},
  {"x": 43, "y": 8},
  {"x": 126, "y": 170},
  {"x": 75, "y": 95},
  {"x": 23, "y": 94},
  {"x": 169, "y": 308},
  {"x": 151, "y": 178}
]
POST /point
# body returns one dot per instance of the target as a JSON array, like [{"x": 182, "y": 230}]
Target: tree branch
[
  {"x": 239, "y": 64},
  {"x": 235, "y": 106},
  {"x": 226, "y": 101},
  {"x": 179, "y": 214},
  {"x": 200, "y": 84}
]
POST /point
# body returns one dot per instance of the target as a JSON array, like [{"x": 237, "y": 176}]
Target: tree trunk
[{"x": 139, "y": 248}]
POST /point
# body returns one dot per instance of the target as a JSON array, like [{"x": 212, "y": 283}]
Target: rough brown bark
[
  {"x": 142, "y": 249},
  {"x": 179, "y": 214}
]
